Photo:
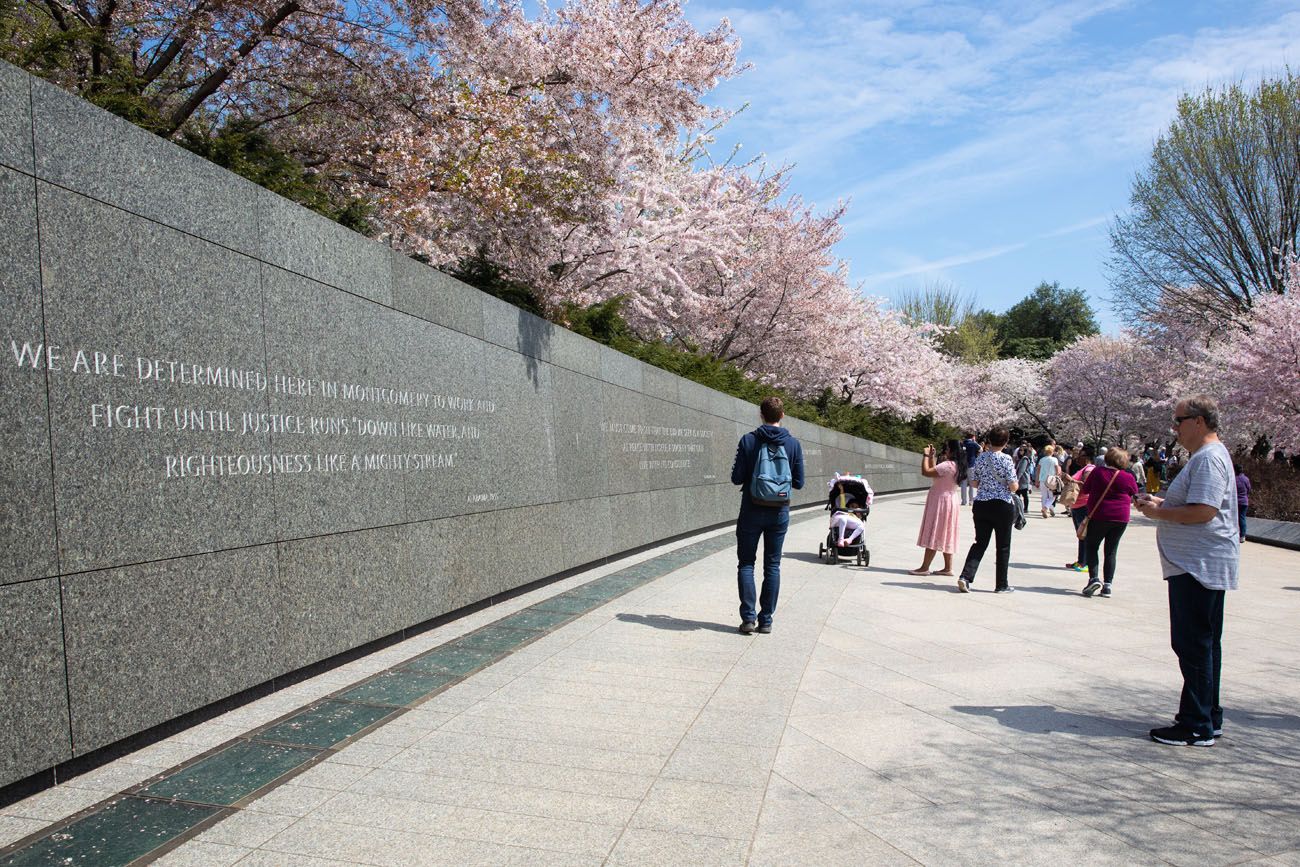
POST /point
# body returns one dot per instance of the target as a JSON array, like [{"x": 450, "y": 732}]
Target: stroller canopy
[{"x": 851, "y": 488}]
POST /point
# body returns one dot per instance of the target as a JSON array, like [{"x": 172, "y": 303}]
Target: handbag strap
[{"x": 1096, "y": 505}]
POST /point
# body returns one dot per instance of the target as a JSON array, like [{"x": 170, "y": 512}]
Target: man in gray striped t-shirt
[{"x": 1199, "y": 553}]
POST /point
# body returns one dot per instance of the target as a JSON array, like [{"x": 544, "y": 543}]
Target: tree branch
[{"x": 223, "y": 72}]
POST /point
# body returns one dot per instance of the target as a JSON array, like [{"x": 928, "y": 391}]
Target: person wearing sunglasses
[{"x": 1196, "y": 534}]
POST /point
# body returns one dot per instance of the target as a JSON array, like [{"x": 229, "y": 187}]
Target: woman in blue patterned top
[{"x": 994, "y": 478}]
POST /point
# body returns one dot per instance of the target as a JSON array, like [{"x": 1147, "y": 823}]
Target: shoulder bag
[{"x": 1082, "y": 532}]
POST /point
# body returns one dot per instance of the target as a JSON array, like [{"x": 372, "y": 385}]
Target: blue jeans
[
  {"x": 770, "y": 524},
  {"x": 1241, "y": 522},
  {"x": 1196, "y": 635}
]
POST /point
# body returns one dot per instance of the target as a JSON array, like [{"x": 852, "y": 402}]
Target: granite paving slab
[{"x": 617, "y": 717}]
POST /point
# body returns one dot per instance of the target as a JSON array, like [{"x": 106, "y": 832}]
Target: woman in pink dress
[{"x": 942, "y": 507}]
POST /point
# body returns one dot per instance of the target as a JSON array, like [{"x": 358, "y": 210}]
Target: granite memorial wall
[{"x": 238, "y": 439}]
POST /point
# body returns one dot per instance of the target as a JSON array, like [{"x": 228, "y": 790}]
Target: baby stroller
[{"x": 845, "y": 490}]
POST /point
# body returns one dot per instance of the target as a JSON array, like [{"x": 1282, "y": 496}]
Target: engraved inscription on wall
[
  {"x": 353, "y": 421},
  {"x": 661, "y": 447}
]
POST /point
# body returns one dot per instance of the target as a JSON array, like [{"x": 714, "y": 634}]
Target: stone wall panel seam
[{"x": 576, "y": 452}]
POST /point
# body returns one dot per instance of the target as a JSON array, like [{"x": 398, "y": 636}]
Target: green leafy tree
[
  {"x": 1216, "y": 205},
  {"x": 1047, "y": 320},
  {"x": 970, "y": 335},
  {"x": 246, "y": 149},
  {"x": 487, "y": 276}
]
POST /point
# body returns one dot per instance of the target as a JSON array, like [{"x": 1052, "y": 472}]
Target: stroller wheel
[
  {"x": 866, "y": 557},
  {"x": 861, "y": 559},
  {"x": 821, "y": 552}
]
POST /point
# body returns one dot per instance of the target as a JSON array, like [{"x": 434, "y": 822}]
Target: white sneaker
[{"x": 962, "y": 585}]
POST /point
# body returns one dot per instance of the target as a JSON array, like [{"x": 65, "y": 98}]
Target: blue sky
[{"x": 986, "y": 145}]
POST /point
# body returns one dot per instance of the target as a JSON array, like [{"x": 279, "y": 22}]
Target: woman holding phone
[{"x": 942, "y": 507}]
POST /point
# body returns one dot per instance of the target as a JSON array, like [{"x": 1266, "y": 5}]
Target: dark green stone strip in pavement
[
  {"x": 231, "y": 774},
  {"x": 453, "y": 660},
  {"x": 116, "y": 834},
  {"x": 564, "y": 604},
  {"x": 162, "y": 813},
  {"x": 497, "y": 638},
  {"x": 397, "y": 688},
  {"x": 532, "y": 619},
  {"x": 325, "y": 724}
]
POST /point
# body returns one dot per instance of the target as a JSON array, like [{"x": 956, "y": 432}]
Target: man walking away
[
  {"x": 768, "y": 459},
  {"x": 1196, "y": 534}
]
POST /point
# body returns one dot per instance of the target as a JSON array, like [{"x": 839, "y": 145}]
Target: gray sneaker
[
  {"x": 1093, "y": 586},
  {"x": 1105, "y": 591},
  {"x": 748, "y": 627}
]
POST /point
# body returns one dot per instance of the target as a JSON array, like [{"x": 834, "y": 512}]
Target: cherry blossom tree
[
  {"x": 178, "y": 61},
  {"x": 550, "y": 145},
  {"x": 1256, "y": 370},
  {"x": 1106, "y": 388},
  {"x": 1009, "y": 391}
]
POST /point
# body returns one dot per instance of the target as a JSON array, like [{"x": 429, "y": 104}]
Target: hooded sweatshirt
[{"x": 747, "y": 453}]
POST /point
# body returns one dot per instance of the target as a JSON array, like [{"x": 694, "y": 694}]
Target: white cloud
[
  {"x": 1081, "y": 226},
  {"x": 940, "y": 265},
  {"x": 1007, "y": 86},
  {"x": 961, "y": 130}
]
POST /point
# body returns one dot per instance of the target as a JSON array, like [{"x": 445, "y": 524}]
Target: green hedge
[{"x": 604, "y": 323}]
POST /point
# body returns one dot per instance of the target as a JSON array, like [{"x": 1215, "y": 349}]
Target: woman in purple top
[{"x": 1110, "y": 491}]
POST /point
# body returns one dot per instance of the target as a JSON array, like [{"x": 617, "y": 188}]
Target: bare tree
[{"x": 1216, "y": 205}]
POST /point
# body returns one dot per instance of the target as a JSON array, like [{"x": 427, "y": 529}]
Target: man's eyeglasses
[{"x": 1179, "y": 419}]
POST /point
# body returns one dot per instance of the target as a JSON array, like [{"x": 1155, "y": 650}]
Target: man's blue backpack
[{"x": 770, "y": 483}]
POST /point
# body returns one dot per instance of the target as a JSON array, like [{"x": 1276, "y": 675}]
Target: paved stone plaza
[{"x": 887, "y": 719}]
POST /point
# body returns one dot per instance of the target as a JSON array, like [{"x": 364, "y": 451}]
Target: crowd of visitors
[
  {"x": 1200, "y": 525},
  {"x": 1201, "y": 521}
]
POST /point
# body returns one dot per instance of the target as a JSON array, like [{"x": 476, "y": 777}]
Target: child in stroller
[{"x": 849, "y": 504}]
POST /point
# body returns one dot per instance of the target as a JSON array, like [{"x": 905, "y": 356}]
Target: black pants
[
  {"x": 1023, "y": 493},
  {"x": 1099, "y": 532},
  {"x": 1196, "y": 634},
  {"x": 1077, "y": 515},
  {"x": 991, "y": 517}
]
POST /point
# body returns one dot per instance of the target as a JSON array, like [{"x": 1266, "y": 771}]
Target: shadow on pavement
[
  {"x": 950, "y": 587},
  {"x": 1291, "y": 588},
  {"x": 1046, "y": 566},
  {"x": 1263, "y": 719},
  {"x": 1054, "y": 591},
  {"x": 804, "y": 556},
  {"x": 675, "y": 624},
  {"x": 1043, "y": 719}
]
